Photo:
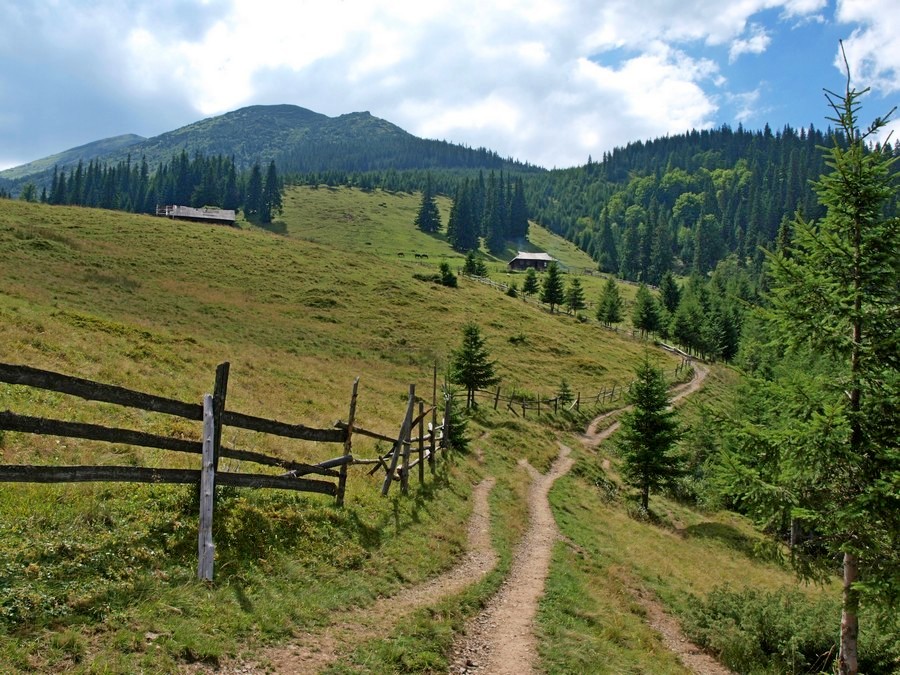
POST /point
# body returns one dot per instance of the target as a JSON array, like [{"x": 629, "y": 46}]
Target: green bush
[{"x": 784, "y": 631}]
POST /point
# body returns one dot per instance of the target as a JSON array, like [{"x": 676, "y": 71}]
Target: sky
[{"x": 547, "y": 82}]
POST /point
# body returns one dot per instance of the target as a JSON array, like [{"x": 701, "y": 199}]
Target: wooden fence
[
  {"x": 214, "y": 416},
  {"x": 519, "y": 404}
]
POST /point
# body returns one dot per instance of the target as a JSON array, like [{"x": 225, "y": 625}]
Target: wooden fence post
[
  {"x": 220, "y": 391},
  {"x": 448, "y": 409},
  {"x": 205, "y": 546},
  {"x": 401, "y": 440},
  {"x": 348, "y": 444},
  {"x": 578, "y": 401},
  {"x": 421, "y": 442},
  {"x": 497, "y": 397},
  {"x": 407, "y": 446},
  {"x": 432, "y": 442}
]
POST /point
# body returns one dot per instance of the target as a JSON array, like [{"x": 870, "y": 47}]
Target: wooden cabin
[
  {"x": 204, "y": 215},
  {"x": 523, "y": 261}
]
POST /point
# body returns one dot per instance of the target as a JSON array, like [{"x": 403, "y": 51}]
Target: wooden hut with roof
[{"x": 524, "y": 260}]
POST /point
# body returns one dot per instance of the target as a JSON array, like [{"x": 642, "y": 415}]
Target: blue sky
[{"x": 550, "y": 82}]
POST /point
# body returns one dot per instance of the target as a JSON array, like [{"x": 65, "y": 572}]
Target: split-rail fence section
[{"x": 331, "y": 474}]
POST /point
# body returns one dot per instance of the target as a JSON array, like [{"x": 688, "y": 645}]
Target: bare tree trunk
[{"x": 847, "y": 660}]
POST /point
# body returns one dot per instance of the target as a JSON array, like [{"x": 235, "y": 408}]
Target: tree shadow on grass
[
  {"x": 275, "y": 227},
  {"x": 730, "y": 536}
]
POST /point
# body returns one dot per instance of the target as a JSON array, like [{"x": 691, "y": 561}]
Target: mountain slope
[
  {"x": 297, "y": 139},
  {"x": 103, "y": 148}
]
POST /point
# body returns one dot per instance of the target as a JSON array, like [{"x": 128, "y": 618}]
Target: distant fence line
[
  {"x": 500, "y": 286},
  {"x": 519, "y": 404},
  {"x": 213, "y": 414}
]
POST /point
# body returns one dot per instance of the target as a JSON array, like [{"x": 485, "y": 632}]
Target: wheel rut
[
  {"x": 313, "y": 651},
  {"x": 501, "y": 640}
]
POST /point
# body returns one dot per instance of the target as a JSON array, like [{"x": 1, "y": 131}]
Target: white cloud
[
  {"x": 748, "y": 105},
  {"x": 547, "y": 82},
  {"x": 873, "y": 50},
  {"x": 756, "y": 43}
]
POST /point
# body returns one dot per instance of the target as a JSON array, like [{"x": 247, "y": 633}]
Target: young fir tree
[
  {"x": 574, "y": 297},
  {"x": 609, "y": 309},
  {"x": 470, "y": 266},
  {"x": 448, "y": 278},
  {"x": 462, "y": 232},
  {"x": 607, "y": 255},
  {"x": 564, "y": 396},
  {"x": 645, "y": 311},
  {"x": 552, "y": 291},
  {"x": 470, "y": 365},
  {"x": 253, "y": 195},
  {"x": 429, "y": 218},
  {"x": 518, "y": 213},
  {"x": 648, "y": 435},
  {"x": 835, "y": 296},
  {"x": 531, "y": 285},
  {"x": 270, "y": 202},
  {"x": 669, "y": 293}
]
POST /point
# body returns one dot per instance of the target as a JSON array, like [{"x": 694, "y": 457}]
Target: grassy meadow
[
  {"x": 91, "y": 570},
  {"x": 100, "y": 578}
]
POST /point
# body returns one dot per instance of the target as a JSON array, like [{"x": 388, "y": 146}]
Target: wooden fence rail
[
  {"x": 523, "y": 402},
  {"x": 214, "y": 416}
]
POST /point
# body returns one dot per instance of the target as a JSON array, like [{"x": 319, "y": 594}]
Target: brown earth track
[
  {"x": 313, "y": 651},
  {"x": 500, "y": 640}
]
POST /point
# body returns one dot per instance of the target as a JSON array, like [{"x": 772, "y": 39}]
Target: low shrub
[{"x": 784, "y": 631}]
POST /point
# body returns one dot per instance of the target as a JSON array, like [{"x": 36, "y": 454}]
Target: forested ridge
[{"x": 684, "y": 202}]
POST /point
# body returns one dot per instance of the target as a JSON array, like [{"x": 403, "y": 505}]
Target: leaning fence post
[
  {"x": 433, "y": 419},
  {"x": 220, "y": 391},
  {"x": 206, "y": 548},
  {"x": 497, "y": 397},
  {"x": 448, "y": 407},
  {"x": 348, "y": 444},
  {"x": 402, "y": 439},
  {"x": 407, "y": 424},
  {"x": 421, "y": 442}
]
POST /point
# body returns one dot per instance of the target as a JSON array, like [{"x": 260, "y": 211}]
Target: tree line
[
  {"x": 491, "y": 210},
  {"x": 196, "y": 181},
  {"x": 685, "y": 202}
]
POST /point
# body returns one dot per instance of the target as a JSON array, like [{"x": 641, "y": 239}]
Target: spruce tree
[
  {"x": 574, "y": 296},
  {"x": 462, "y": 230},
  {"x": 648, "y": 435},
  {"x": 645, "y": 311},
  {"x": 270, "y": 201},
  {"x": 470, "y": 364},
  {"x": 518, "y": 213},
  {"x": 607, "y": 255},
  {"x": 552, "y": 291},
  {"x": 609, "y": 309},
  {"x": 253, "y": 195},
  {"x": 835, "y": 298},
  {"x": 669, "y": 293},
  {"x": 429, "y": 218},
  {"x": 531, "y": 285}
]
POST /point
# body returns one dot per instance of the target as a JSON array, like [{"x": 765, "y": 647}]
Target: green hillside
[
  {"x": 299, "y": 140},
  {"x": 107, "y": 147},
  {"x": 101, "y": 577}
]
